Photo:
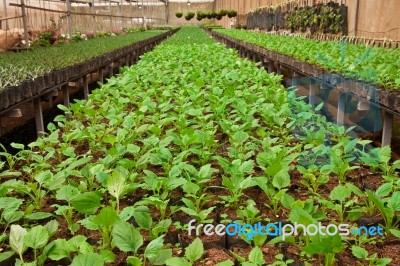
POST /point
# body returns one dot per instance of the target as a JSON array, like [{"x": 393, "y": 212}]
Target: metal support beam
[
  {"x": 387, "y": 129},
  {"x": 37, "y": 105}
]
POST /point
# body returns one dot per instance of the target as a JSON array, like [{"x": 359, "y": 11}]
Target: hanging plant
[
  {"x": 232, "y": 13},
  {"x": 178, "y": 14},
  {"x": 223, "y": 12},
  {"x": 189, "y": 16},
  {"x": 201, "y": 15}
]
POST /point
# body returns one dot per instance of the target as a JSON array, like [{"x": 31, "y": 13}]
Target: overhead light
[{"x": 188, "y": 2}]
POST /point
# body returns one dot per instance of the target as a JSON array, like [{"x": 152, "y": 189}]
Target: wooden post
[
  {"x": 37, "y": 105},
  {"x": 111, "y": 25},
  {"x": 270, "y": 67},
  {"x": 101, "y": 78},
  {"x": 5, "y": 15},
  {"x": 66, "y": 95},
  {"x": 295, "y": 76},
  {"x": 50, "y": 97},
  {"x": 69, "y": 23},
  {"x": 94, "y": 18},
  {"x": 85, "y": 87},
  {"x": 110, "y": 70},
  {"x": 24, "y": 21},
  {"x": 279, "y": 69},
  {"x": 127, "y": 59},
  {"x": 387, "y": 129}
]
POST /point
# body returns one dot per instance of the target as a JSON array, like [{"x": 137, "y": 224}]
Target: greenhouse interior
[{"x": 199, "y": 132}]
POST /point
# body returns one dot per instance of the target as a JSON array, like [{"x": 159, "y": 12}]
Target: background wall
[
  {"x": 372, "y": 18},
  {"x": 366, "y": 18}
]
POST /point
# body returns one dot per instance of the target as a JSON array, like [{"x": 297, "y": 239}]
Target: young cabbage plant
[
  {"x": 12, "y": 160},
  {"x": 199, "y": 214},
  {"x": 44, "y": 182},
  {"x": 380, "y": 158},
  {"x": 388, "y": 207},
  {"x": 237, "y": 182},
  {"x": 327, "y": 246},
  {"x": 9, "y": 213},
  {"x": 370, "y": 260},
  {"x": 155, "y": 254},
  {"x": 193, "y": 253},
  {"x": 340, "y": 203},
  {"x": 256, "y": 258},
  {"x": 341, "y": 158},
  {"x": 104, "y": 222},
  {"x": 249, "y": 214},
  {"x": 276, "y": 191},
  {"x": 313, "y": 176}
]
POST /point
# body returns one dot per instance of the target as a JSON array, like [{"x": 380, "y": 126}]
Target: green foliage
[{"x": 354, "y": 61}]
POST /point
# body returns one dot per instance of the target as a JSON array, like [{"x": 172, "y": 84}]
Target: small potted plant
[{"x": 178, "y": 14}]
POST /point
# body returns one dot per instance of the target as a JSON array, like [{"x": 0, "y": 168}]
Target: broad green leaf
[
  {"x": 246, "y": 167},
  {"x": 195, "y": 250},
  {"x": 17, "y": 235},
  {"x": 143, "y": 217},
  {"x": 160, "y": 257},
  {"x": 116, "y": 185},
  {"x": 11, "y": 217},
  {"x": 395, "y": 232},
  {"x": 240, "y": 137},
  {"x": 9, "y": 204},
  {"x": 37, "y": 237},
  {"x": 5, "y": 255},
  {"x": 67, "y": 193},
  {"x": 281, "y": 180},
  {"x": 300, "y": 216},
  {"x": 256, "y": 256},
  {"x": 108, "y": 256},
  {"x": 107, "y": 217},
  {"x": 38, "y": 216},
  {"x": 134, "y": 261},
  {"x": 225, "y": 263},
  {"x": 177, "y": 262},
  {"x": 384, "y": 190},
  {"x": 86, "y": 203},
  {"x": 154, "y": 247},
  {"x": 325, "y": 245},
  {"x": 126, "y": 237},
  {"x": 60, "y": 249},
  {"x": 359, "y": 252},
  {"x": 394, "y": 201},
  {"x": 90, "y": 259},
  {"x": 340, "y": 193},
  {"x": 52, "y": 227}
]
